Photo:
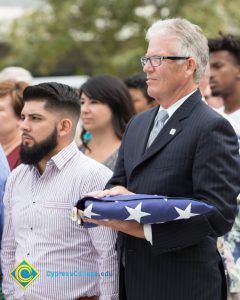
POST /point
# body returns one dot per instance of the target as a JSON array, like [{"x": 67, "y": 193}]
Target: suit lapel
[
  {"x": 145, "y": 130},
  {"x": 170, "y": 130},
  {"x": 166, "y": 135}
]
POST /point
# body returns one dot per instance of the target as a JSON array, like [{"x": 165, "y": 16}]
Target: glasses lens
[
  {"x": 155, "y": 61},
  {"x": 143, "y": 60}
]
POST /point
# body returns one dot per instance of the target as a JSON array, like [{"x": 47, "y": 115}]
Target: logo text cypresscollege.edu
[{"x": 54, "y": 274}]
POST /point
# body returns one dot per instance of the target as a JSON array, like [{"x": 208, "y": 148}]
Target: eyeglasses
[{"x": 156, "y": 61}]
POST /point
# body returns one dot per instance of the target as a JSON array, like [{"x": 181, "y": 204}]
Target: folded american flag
[{"x": 145, "y": 209}]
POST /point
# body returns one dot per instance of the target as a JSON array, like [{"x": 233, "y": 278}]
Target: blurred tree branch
[{"x": 103, "y": 36}]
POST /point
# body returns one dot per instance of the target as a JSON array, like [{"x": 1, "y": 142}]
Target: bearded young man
[{"x": 39, "y": 197}]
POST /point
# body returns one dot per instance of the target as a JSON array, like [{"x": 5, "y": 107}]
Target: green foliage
[{"x": 103, "y": 36}]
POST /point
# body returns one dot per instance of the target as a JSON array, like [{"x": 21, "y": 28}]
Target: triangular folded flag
[{"x": 144, "y": 209}]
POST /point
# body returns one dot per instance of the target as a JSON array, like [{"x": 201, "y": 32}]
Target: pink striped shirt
[{"x": 38, "y": 228}]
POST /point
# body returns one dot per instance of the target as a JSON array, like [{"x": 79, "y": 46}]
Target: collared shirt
[
  {"x": 38, "y": 228},
  {"x": 170, "y": 110},
  {"x": 4, "y": 171}
]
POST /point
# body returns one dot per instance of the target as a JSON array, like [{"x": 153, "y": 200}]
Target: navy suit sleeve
[
  {"x": 215, "y": 177},
  {"x": 212, "y": 175}
]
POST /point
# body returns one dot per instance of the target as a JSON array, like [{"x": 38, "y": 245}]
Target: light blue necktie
[{"x": 159, "y": 121}]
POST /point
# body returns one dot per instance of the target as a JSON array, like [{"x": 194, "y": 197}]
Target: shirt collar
[
  {"x": 171, "y": 109},
  {"x": 62, "y": 157}
]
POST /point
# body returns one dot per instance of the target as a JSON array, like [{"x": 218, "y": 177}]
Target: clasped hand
[{"x": 131, "y": 228}]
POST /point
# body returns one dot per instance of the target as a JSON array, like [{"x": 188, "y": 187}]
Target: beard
[
  {"x": 33, "y": 155},
  {"x": 216, "y": 93}
]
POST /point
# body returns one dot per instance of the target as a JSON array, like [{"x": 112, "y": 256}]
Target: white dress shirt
[{"x": 38, "y": 228}]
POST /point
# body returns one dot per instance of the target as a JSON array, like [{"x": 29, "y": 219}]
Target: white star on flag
[
  {"x": 136, "y": 213},
  {"x": 186, "y": 213},
  {"x": 88, "y": 212}
]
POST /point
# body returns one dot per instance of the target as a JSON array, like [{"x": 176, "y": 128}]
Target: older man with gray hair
[{"x": 181, "y": 148}]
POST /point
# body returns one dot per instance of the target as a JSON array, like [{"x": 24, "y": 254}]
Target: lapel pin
[{"x": 172, "y": 131}]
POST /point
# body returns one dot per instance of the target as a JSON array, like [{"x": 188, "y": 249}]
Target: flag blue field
[{"x": 144, "y": 209}]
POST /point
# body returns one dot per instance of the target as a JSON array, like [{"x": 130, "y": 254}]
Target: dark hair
[
  {"x": 15, "y": 90},
  {"x": 228, "y": 42},
  {"x": 57, "y": 97},
  {"x": 138, "y": 81},
  {"x": 112, "y": 91}
]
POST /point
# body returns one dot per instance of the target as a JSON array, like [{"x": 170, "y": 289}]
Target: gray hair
[
  {"x": 190, "y": 41},
  {"x": 16, "y": 73}
]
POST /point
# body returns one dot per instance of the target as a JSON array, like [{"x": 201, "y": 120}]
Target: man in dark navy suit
[{"x": 195, "y": 154}]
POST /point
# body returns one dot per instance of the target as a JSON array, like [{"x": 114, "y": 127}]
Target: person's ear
[
  {"x": 64, "y": 127},
  {"x": 190, "y": 66}
]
